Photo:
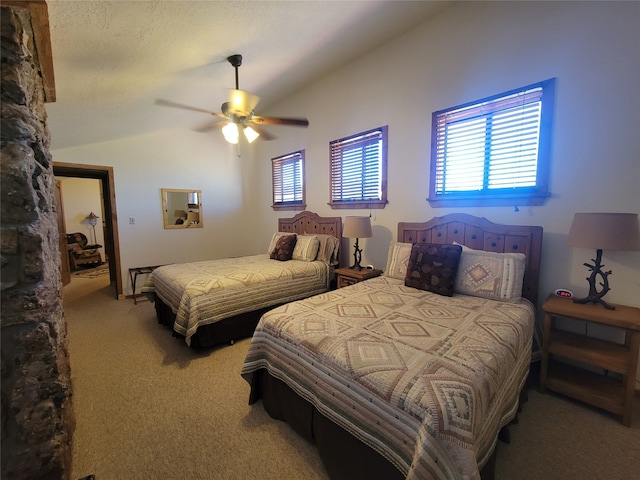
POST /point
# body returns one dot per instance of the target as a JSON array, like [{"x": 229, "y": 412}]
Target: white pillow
[
  {"x": 497, "y": 276},
  {"x": 397, "y": 260},
  {"x": 306, "y": 248},
  {"x": 274, "y": 240}
]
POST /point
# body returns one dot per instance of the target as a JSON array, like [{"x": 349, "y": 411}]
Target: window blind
[
  {"x": 357, "y": 167},
  {"x": 288, "y": 179},
  {"x": 490, "y": 147}
]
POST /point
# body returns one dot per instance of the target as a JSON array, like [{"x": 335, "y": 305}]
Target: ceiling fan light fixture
[
  {"x": 230, "y": 132},
  {"x": 238, "y": 112},
  {"x": 251, "y": 134},
  {"x": 243, "y": 103}
]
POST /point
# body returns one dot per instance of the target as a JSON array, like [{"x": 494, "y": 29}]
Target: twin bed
[
  {"x": 392, "y": 381},
  {"x": 219, "y": 301}
]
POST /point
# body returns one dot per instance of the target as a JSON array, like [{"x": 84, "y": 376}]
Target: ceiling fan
[{"x": 239, "y": 113}]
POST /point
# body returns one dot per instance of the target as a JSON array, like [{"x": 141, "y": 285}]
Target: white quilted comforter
[{"x": 201, "y": 293}]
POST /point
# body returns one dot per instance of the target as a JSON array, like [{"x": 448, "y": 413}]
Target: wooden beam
[{"x": 42, "y": 38}]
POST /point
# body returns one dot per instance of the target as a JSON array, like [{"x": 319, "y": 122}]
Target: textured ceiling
[{"x": 112, "y": 59}]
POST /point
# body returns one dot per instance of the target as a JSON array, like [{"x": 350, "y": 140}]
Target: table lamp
[
  {"x": 357, "y": 227},
  {"x": 92, "y": 218},
  {"x": 610, "y": 231}
]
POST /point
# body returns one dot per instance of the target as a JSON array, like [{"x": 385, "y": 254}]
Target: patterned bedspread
[
  {"x": 201, "y": 293},
  {"x": 426, "y": 380}
]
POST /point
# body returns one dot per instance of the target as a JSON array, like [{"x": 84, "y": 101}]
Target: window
[
  {"x": 288, "y": 181},
  {"x": 494, "y": 151},
  {"x": 359, "y": 170}
]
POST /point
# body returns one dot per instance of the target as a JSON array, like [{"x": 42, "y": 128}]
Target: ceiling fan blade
[
  {"x": 295, "y": 122},
  {"x": 264, "y": 135},
  {"x": 209, "y": 126},
  {"x": 242, "y": 103},
  {"x": 168, "y": 103}
]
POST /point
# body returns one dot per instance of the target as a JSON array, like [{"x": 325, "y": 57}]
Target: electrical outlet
[{"x": 132, "y": 220}]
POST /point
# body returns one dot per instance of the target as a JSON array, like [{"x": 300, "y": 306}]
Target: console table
[{"x": 133, "y": 276}]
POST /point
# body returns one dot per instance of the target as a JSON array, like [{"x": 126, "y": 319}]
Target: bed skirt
[
  {"x": 223, "y": 331},
  {"x": 343, "y": 455}
]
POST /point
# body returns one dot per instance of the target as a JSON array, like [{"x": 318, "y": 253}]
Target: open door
[
  {"x": 65, "y": 270},
  {"x": 112, "y": 246}
]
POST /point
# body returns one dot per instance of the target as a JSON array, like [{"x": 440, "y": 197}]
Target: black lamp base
[
  {"x": 357, "y": 257},
  {"x": 595, "y": 296}
]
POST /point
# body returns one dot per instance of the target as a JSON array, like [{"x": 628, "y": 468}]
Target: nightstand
[
  {"x": 612, "y": 394},
  {"x": 349, "y": 276}
]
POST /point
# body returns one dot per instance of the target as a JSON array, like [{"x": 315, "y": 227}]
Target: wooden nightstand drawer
[
  {"x": 346, "y": 281},
  {"x": 350, "y": 276}
]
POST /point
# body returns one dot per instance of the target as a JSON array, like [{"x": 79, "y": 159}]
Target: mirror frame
[{"x": 191, "y": 205}]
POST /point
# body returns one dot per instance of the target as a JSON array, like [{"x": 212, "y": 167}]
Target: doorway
[{"x": 111, "y": 241}]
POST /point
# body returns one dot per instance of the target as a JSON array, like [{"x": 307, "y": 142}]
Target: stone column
[{"x": 37, "y": 414}]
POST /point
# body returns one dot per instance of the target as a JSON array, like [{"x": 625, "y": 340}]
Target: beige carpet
[
  {"x": 148, "y": 407},
  {"x": 93, "y": 272}
]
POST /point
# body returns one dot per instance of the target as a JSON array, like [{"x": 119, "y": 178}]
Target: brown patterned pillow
[
  {"x": 284, "y": 248},
  {"x": 433, "y": 267}
]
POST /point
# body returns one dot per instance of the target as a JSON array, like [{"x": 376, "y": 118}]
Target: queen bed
[
  {"x": 392, "y": 378},
  {"x": 219, "y": 301}
]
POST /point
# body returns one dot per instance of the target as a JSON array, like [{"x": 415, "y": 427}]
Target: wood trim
[
  {"x": 42, "y": 37},
  {"x": 112, "y": 242},
  {"x": 481, "y": 234}
]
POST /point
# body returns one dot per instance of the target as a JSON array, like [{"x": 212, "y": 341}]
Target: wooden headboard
[
  {"x": 310, "y": 223},
  {"x": 481, "y": 234}
]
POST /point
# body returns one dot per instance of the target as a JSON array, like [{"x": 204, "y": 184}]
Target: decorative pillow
[
  {"x": 433, "y": 267},
  {"x": 274, "y": 240},
  {"x": 397, "y": 260},
  {"x": 306, "y": 248},
  {"x": 498, "y": 276},
  {"x": 284, "y": 248},
  {"x": 328, "y": 249}
]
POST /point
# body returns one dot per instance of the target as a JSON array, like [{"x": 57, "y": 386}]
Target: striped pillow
[
  {"x": 329, "y": 249},
  {"x": 397, "y": 260},
  {"x": 306, "y": 248}
]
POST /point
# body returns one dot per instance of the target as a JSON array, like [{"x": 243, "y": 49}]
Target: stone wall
[{"x": 37, "y": 414}]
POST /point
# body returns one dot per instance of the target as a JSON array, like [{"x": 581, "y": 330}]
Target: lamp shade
[
  {"x": 93, "y": 218},
  {"x": 605, "y": 231},
  {"x": 357, "y": 227},
  {"x": 250, "y": 134},
  {"x": 230, "y": 132}
]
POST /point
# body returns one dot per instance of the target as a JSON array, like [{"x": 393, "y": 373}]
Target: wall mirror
[{"x": 182, "y": 208}]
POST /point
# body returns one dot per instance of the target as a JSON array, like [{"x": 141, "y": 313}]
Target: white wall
[
  {"x": 592, "y": 48},
  {"x": 80, "y": 196},
  {"x": 470, "y": 51},
  {"x": 176, "y": 159}
]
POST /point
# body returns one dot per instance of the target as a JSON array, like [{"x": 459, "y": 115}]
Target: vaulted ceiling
[{"x": 112, "y": 59}]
